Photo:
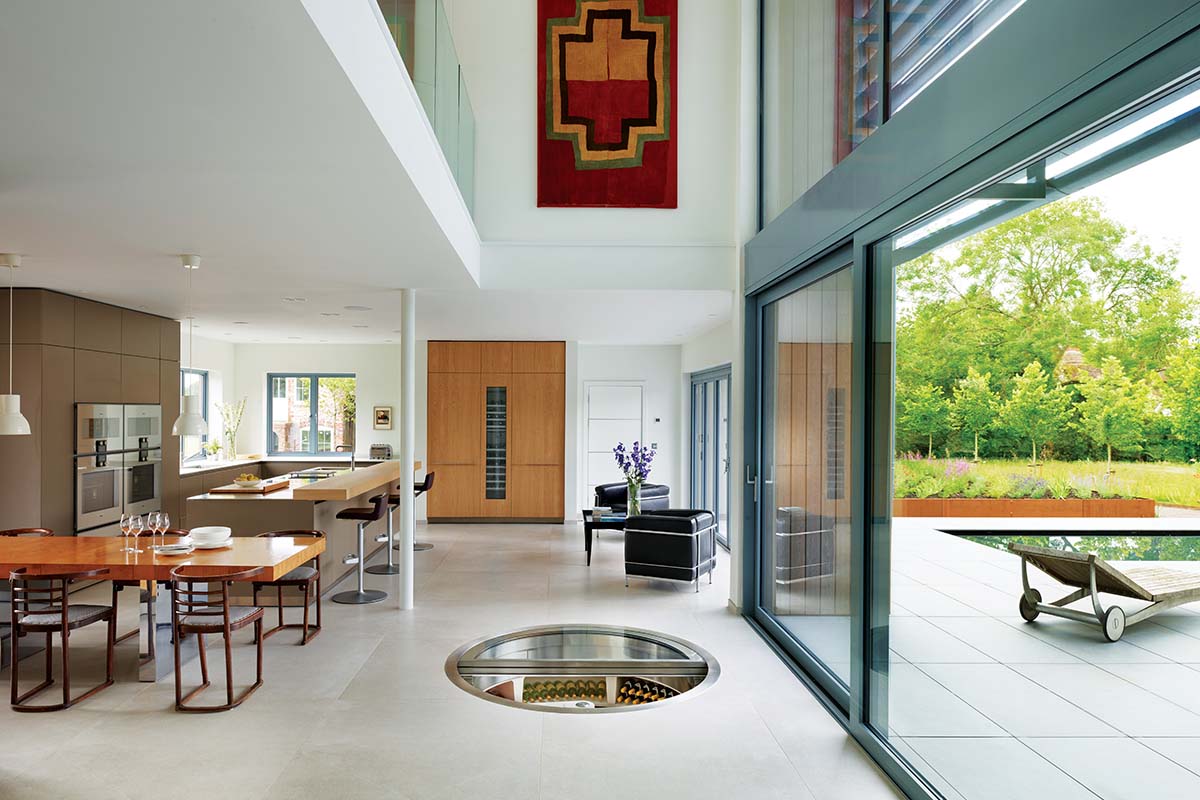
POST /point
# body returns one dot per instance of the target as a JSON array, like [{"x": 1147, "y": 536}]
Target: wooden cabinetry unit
[
  {"x": 98, "y": 326},
  {"x": 496, "y": 422},
  {"x": 140, "y": 380}
]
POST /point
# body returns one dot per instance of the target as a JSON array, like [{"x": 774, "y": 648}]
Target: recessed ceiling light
[
  {"x": 397, "y": 331},
  {"x": 360, "y": 326},
  {"x": 324, "y": 341},
  {"x": 357, "y": 308},
  {"x": 330, "y": 314},
  {"x": 229, "y": 334},
  {"x": 295, "y": 299},
  {"x": 241, "y": 323},
  {"x": 296, "y": 338}
]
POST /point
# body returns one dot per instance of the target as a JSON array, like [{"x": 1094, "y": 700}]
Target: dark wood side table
[{"x": 591, "y": 522}]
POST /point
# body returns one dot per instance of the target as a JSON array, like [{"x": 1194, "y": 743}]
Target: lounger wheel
[
  {"x": 1113, "y": 623},
  {"x": 1029, "y": 613}
]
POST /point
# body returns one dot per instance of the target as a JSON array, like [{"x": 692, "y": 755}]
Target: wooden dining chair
[
  {"x": 306, "y": 576},
  {"x": 27, "y": 532},
  {"x": 197, "y": 607},
  {"x": 143, "y": 591},
  {"x": 42, "y": 604}
]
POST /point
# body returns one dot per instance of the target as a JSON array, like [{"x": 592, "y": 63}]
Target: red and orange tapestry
[{"x": 606, "y": 89}]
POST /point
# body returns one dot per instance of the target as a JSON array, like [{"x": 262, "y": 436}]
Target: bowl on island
[{"x": 248, "y": 481}]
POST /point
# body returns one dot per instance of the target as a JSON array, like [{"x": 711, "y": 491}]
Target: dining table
[{"x": 150, "y": 572}]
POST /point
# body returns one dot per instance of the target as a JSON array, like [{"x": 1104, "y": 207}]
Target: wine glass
[
  {"x": 152, "y": 522},
  {"x": 164, "y": 523},
  {"x": 126, "y": 520},
  {"x": 135, "y": 528}
]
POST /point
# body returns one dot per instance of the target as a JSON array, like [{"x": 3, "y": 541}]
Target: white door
[{"x": 614, "y": 414}]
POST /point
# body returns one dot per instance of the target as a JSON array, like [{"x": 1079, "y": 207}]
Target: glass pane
[
  {"x": 582, "y": 644},
  {"x": 807, "y": 351},
  {"x": 710, "y": 440},
  {"x": 466, "y": 145},
  {"x": 193, "y": 383},
  {"x": 496, "y": 455},
  {"x": 291, "y": 415},
  {"x": 400, "y": 16},
  {"x": 859, "y": 110},
  {"x": 336, "y": 412},
  {"x": 722, "y": 455}
]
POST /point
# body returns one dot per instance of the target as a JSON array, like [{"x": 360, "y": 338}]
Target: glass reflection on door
[{"x": 805, "y": 545}]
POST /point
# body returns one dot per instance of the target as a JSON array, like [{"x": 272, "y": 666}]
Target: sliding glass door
[{"x": 710, "y": 446}]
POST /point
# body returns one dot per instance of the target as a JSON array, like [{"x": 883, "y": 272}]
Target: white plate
[
  {"x": 211, "y": 533},
  {"x": 173, "y": 551},
  {"x": 213, "y": 545}
]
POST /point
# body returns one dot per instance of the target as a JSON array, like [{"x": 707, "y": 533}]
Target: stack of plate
[
  {"x": 211, "y": 538},
  {"x": 180, "y": 548}
]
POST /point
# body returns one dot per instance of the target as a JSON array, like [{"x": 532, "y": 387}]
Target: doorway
[{"x": 710, "y": 446}]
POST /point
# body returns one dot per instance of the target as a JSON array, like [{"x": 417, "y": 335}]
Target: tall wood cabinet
[{"x": 496, "y": 430}]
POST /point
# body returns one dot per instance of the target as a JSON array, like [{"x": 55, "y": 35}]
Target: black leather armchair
[
  {"x": 673, "y": 544},
  {"x": 804, "y": 545},
  {"x": 655, "y": 496}
]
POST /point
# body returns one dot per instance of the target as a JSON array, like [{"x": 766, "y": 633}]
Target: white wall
[
  {"x": 376, "y": 366},
  {"x": 497, "y": 46},
  {"x": 657, "y": 368},
  {"x": 220, "y": 360}
]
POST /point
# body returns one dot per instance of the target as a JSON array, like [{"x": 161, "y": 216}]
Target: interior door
[{"x": 614, "y": 415}]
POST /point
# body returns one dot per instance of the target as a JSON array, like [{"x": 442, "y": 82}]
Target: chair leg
[
  {"x": 258, "y": 672},
  {"x": 279, "y": 601},
  {"x": 203, "y": 658},
  {"x": 304, "y": 631},
  {"x": 66, "y": 662},
  {"x": 229, "y": 663},
  {"x": 318, "y": 592},
  {"x": 175, "y": 635}
]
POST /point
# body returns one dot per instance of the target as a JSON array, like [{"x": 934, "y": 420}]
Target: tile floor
[{"x": 365, "y": 710}]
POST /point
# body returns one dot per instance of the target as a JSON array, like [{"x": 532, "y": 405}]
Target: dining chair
[
  {"x": 307, "y": 576},
  {"x": 197, "y": 607},
  {"x": 41, "y": 604},
  {"x": 143, "y": 590}
]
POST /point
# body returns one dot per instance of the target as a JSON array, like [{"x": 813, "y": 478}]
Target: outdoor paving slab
[
  {"x": 997, "y": 769},
  {"x": 921, "y": 642},
  {"x": 920, "y": 706},
  {"x": 1119, "y": 769},
  {"x": 1003, "y": 642}
]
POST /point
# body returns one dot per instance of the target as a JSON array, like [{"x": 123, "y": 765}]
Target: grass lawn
[{"x": 1177, "y": 484}]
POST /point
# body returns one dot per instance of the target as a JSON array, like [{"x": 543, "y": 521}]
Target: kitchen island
[{"x": 310, "y": 501}]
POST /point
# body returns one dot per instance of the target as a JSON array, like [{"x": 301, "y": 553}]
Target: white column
[{"x": 408, "y": 440}]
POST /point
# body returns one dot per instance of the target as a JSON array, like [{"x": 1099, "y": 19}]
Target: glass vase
[{"x": 633, "y": 500}]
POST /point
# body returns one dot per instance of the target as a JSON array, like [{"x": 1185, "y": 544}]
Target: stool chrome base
[
  {"x": 418, "y": 547},
  {"x": 383, "y": 569},
  {"x": 359, "y": 597}
]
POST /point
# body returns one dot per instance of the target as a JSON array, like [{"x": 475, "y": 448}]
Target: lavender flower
[{"x": 635, "y": 462}]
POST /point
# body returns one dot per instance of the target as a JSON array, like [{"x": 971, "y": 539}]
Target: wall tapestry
[{"x": 606, "y": 107}]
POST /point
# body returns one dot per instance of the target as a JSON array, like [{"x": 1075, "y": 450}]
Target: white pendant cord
[
  {"x": 188, "y": 309},
  {"x": 10, "y": 328}
]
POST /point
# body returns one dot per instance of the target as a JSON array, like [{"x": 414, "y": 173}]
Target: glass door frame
[
  {"x": 699, "y": 418},
  {"x": 1169, "y": 63}
]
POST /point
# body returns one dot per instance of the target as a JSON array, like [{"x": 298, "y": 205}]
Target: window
[
  {"x": 194, "y": 381},
  {"x": 295, "y": 411}
]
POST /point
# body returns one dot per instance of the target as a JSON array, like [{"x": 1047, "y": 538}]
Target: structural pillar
[{"x": 408, "y": 442}]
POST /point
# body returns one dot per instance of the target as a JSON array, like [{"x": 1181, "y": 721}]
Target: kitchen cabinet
[
  {"x": 537, "y": 492},
  {"x": 141, "y": 334},
  {"x": 97, "y": 326},
  {"x": 58, "y": 437},
  {"x": 140, "y": 380},
  {"x": 168, "y": 391},
  {"x": 539, "y": 357},
  {"x": 97, "y": 377},
  {"x": 455, "y": 357},
  {"x": 168, "y": 340}
]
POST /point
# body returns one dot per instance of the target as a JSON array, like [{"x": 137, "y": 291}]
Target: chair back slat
[
  {"x": 189, "y": 601},
  {"x": 43, "y": 593}
]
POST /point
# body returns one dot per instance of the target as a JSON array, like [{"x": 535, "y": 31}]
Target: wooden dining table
[{"x": 58, "y": 554}]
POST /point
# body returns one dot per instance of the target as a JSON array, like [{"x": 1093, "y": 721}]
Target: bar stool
[
  {"x": 305, "y": 575},
  {"x": 207, "y": 610},
  {"x": 40, "y": 604},
  {"x": 390, "y": 568},
  {"x": 418, "y": 490},
  {"x": 364, "y": 516}
]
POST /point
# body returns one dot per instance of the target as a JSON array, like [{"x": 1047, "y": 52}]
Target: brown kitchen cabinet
[
  {"x": 98, "y": 326},
  {"x": 496, "y": 430},
  {"x": 140, "y": 380}
]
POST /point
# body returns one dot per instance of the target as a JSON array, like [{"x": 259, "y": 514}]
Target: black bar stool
[
  {"x": 418, "y": 490},
  {"x": 390, "y": 568},
  {"x": 364, "y": 516}
]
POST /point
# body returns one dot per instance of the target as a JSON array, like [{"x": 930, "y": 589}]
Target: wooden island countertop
[{"x": 352, "y": 483}]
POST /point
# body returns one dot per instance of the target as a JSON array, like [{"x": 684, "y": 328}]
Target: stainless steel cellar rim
[{"x": 691, "y": 663}]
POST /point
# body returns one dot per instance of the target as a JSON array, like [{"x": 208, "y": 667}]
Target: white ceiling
[{"x": 132, "y": 132}]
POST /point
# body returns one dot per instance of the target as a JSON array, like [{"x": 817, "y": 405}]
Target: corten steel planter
[{"x": 1021, "y": 507}]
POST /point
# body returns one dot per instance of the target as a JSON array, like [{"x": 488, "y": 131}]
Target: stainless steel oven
[
  {"x": 99, "y": 428},
  {"x": 143, "y": 427},
  {"x": 143, "y": 482},
  {"x": 99, "y": 490}
]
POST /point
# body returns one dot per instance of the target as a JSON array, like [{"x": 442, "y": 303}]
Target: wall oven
[
  {"x": 143, "y": 482},
  {"x": 99, "y": 428},
  {"x": 143, "y": 427},
  {"x": 99, "y": 490}
]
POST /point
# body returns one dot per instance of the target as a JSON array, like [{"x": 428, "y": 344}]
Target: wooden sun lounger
[{"x": 1163, "y": 588}]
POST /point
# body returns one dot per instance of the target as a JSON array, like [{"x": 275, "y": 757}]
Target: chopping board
[{"x": 266, "y": 487}]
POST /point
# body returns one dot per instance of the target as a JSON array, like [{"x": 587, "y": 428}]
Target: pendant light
[
  {"x": 11, "y": 421},
  {"x": 191, "y": 415}
]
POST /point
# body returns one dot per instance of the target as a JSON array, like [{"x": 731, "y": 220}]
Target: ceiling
[{"x": 133, "y": 132}]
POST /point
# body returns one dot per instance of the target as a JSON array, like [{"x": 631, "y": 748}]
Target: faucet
[{"x": 347, "y": 448}]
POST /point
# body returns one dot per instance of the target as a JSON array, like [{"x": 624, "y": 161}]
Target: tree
[
  {"x": 1035, "y": 410},
  {"x": 1181, "y": 395},
  {"x": 1113, "y": 409},
  {"x": 973, "y": 407},
  {"x": 922, "y": 410},
  {"x": 338, "y": 402}
]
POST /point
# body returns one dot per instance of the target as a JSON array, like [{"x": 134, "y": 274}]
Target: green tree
[
  {"x": 1181, "y": 395},
  {"x": 338, "y": 400},
  {"x": 1113, "y": 409},
  {"x": 974, "y": 404},
  {"x": 922, "y": 410},
  {"x": 1036, "y": 409}
]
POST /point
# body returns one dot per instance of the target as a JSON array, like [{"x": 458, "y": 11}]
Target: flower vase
[{"x": 633, "y": 498}]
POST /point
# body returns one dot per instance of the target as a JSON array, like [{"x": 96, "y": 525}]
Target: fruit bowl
[{"x": 248, "y": 481}]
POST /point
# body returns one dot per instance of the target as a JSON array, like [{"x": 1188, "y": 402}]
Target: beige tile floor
[{"x": 366, "y": 711}]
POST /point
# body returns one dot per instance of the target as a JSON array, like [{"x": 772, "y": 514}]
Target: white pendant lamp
[
  {"x": 191, "y": 413},
  {"x": 11, "y": 421}
]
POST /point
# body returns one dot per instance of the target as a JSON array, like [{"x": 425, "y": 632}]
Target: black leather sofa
[
  {"x": 655, "y": 496},
  {"x": 677, "y": 544}
]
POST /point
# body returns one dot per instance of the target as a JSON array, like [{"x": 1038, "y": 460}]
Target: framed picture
[{"x": 383, "y": 418}]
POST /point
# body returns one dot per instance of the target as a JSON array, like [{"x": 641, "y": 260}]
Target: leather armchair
[
  {"x": 673, "y": 544},
  {"x": 655, "y": 496}
]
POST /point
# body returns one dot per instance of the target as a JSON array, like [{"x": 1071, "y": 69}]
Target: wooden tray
[{"x": 266, "y": 488}]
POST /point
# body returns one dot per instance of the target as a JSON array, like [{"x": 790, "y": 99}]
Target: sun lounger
[{"x": 1163, "y": 588}]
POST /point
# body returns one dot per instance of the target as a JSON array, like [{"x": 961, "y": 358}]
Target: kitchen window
[
  {"x": 301, "y": 403},
  {"x": 194, "y": 381}
]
